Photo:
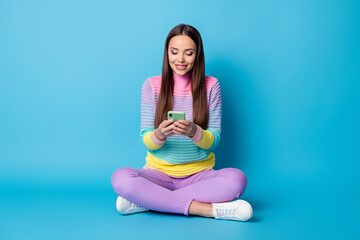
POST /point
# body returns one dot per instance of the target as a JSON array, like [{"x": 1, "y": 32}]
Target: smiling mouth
[{"x": 180, "y": 67}]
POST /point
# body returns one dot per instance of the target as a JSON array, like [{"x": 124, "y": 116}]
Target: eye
[
  {"x": 189, "y": 54},
  {"x": 173, "y": 52}
]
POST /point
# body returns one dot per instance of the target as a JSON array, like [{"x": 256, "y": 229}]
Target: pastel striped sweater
[{"x": 180, "y": 156}]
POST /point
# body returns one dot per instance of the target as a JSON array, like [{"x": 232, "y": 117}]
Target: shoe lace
[
  {"x": 227, "y": 210},
  {"x": 134, "y": 206}
]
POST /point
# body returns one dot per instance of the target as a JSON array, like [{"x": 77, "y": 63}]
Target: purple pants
[{"x": 154, "y": 190}]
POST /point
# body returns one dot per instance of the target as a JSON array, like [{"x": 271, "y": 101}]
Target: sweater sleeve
[
  {"x": 210, "y": 138},
  {"x": 147, "y": 135}
]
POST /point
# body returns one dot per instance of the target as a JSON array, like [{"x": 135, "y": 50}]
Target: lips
[{"x": 180, "y": 67}]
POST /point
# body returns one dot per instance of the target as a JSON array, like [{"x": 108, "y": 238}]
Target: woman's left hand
[{"x": 184, "y": 127}]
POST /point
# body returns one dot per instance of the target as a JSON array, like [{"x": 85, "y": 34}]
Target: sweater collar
[{"x": 182, "y": 81}]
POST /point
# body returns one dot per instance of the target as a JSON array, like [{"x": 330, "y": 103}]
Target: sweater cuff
[
  {"x": 198, "y": 134},
  {"x": 155, "y": 140}
]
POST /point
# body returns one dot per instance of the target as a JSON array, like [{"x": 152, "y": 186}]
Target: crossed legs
[{"x": 157, "y": 191}]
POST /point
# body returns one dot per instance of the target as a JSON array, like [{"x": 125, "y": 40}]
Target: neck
[{"x": 182, "y": 81}]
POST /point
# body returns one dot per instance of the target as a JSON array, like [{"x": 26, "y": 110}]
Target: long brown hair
[{"x": 198, "y": 88}]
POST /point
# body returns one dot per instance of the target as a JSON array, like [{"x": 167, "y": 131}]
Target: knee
[
  {"x": 238, "y": 180},
  {"x": 120, "y": 180}
]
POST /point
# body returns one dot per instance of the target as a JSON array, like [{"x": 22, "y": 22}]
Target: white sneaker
[
  {"x": 238, "y": 210},
  {"x": 124, "y": 206}
]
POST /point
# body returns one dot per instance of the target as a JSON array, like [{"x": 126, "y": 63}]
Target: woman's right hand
[{"x": 164, "y": 130}]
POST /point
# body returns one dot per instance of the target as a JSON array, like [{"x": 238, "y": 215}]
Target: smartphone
[{"x": 176, "y": 115}]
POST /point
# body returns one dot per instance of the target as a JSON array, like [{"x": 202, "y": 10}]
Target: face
[{"x": 182, "y": 54}]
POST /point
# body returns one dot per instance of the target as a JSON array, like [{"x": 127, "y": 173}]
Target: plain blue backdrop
[{"x": 70, "y": 83}]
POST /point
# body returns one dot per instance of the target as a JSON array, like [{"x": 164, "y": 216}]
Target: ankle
[{"x": 201, "y": 209}]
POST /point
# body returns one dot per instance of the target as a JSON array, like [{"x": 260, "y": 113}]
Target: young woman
[{"x": 178, "y": 176}]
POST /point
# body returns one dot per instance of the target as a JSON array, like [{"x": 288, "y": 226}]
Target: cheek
[
  {"x": 172, "y": 58},
  {"x": 191, "y": 60}
]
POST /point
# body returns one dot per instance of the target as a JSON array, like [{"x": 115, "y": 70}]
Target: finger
[
  {"x": 177, "y": 129},
  {"x": 180, "y": 125},
  {"x": 169, "y": 121},
  {"x": 185, "y": 122},
  {"x": 169, "y": 134},
  {"x": 168, "y": 128},
  {"x": 180, "y": 133},
  {"x": 166, "y": 123},
  {"x": 176, "y": 132}
]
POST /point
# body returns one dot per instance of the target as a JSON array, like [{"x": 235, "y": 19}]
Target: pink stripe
[
  {"x": 156, "y": 86},
  {"x": 198, "y": 134},
  {"x": 155, "y": 140},
  {"x": 210, "y": 81},
  {"x": 155, "y": 83}
]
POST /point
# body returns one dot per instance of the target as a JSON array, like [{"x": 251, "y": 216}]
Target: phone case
[{"x": 176, "y": 115}]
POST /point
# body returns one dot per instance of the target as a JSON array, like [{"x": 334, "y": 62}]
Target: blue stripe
[
  {"x": 180, "y": 151},
  {"x": 147, "y": 115},
  {"x": 143, "y": 131},
  {"x": 215, "y": 115}
]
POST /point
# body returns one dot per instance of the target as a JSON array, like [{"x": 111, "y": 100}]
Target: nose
[{"x": 181, "y": 58}]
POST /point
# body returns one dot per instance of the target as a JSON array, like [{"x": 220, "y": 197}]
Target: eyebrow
[{"x": 185, "y": 49}]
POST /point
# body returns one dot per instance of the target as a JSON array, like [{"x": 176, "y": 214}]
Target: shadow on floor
[{"x": 258, "y": 207}]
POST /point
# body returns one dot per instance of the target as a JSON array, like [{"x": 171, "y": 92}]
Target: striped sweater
[{"x": 180, "y": 156}]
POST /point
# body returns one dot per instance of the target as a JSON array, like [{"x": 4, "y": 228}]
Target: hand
[
  {"x": 164, "y": 130},
  {"x": 185, "y": 127}
]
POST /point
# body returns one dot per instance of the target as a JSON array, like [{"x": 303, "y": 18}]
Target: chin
[{"x": 181, "y": 73}]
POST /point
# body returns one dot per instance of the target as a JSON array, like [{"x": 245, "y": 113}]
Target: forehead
[{"x": 182, "y": 42}]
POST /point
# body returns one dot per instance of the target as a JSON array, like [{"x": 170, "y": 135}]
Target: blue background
[{"x": 70, "y": 82}]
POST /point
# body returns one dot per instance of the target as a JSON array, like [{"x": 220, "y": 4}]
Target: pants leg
[
  {"x": 221, "y": 185},
  {"x": 150, "y": 189},
  {"x": 156, "y": 191}
]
